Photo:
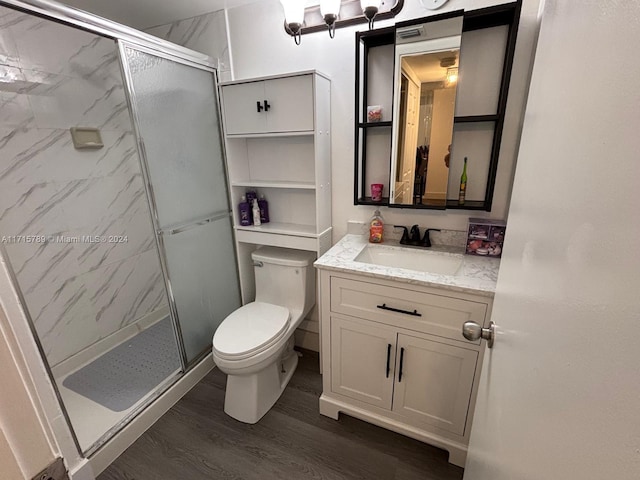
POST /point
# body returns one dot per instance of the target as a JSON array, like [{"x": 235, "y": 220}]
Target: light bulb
[
  {"x": 452, "y": 75},
  {"x": 293, "y": 11},
  {"x": 370, "y": 9},
  {"x": 330, "y": 7},
  {"x": 294, "y": 17}
]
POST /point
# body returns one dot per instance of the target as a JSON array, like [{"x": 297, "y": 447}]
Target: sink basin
[{"x": 419, "y": 260}]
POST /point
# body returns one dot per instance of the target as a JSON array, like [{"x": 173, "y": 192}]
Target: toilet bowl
[{"x": 254, "y": 344}]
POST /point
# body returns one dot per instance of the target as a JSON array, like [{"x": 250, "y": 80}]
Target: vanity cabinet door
[
  {"x": 436, "y": 382},
  {"x": 290, "y": 102},
  {"x": 362, "y": 361},
  {"x": 241, "y": 115}
]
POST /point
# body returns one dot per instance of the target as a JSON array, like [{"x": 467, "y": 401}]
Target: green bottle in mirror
[{"x": 463, "y": 183}]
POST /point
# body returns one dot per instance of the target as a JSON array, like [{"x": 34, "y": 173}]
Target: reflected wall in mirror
[{"x": 425, "y": 85}]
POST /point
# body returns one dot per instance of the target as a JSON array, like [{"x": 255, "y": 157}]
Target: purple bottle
[
  {"x": 245, "y": 212},
  {"x": 264, "y": 209},
  {"x": 251, "y": 195}
]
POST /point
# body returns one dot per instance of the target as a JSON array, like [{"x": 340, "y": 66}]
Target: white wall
[
  {"x": 38, "y": 432},
  {"x": 24, "y": 445},
  {"x": 259, "y": 47}
]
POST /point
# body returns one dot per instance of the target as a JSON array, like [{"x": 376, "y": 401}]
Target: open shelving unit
[{"x": 277, "y": 139}]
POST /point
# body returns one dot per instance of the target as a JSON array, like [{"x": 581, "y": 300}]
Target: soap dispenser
[{"x": 376, "y": 228}]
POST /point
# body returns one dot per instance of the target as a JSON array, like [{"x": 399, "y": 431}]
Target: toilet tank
[{"x": 285, "y": 277}]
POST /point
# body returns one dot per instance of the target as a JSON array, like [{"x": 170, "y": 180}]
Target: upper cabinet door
[
  {"x": 241, "y": 112},
  {"x": 279, "y": 105},
  {"x": 290, "y": 104}
]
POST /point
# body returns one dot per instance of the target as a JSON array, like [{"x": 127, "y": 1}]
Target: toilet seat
[{"x": 250, "y": 330}]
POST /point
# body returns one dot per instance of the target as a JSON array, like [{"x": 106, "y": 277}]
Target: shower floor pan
[
  {"x": 122, "y": 376},
  {"x": 103, "y": 388}
]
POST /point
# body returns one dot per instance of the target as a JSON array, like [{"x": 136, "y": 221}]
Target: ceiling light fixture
[
  {"x": 319, "y": 15},
  {"x": 330, "y": 9},
  {"x": 448, "y": 62},
  {"x": 452, "y": 75},
  {"x": 452, "y": 70}
]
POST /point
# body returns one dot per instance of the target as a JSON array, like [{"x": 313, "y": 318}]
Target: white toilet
[{"x": 254, "y": 345}]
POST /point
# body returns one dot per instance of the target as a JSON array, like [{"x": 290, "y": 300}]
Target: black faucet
[
  {"x": 405, "y": 235},
  {"x": 426, "y": 241},
  {"x": 415, "y": 235},
  {"x": 411, "y": 237}
]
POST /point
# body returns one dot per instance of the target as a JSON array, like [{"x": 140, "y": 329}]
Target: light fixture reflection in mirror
[
  {"x": 424, "y": 105},
  {"x": 452, "y": 76}
]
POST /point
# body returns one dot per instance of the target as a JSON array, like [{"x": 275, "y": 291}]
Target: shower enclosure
[{"x": 119, "y": 242}]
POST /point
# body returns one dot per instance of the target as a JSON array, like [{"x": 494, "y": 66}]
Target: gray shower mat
[{"x": 125, "y": 374}]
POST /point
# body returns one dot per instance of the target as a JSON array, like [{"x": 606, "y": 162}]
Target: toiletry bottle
[
  {"x": 463, "y": 183},
  {"x": 251, "y": 195},
  {"x": 256, "y": 212},
  {"x": 245, "y": 212},
  {"x": 376, "y": 227},
  {"x": 264, "y": 209}
]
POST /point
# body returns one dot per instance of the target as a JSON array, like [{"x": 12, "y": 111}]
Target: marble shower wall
[
  {"x": 77, "y": 290},
  {"x": 205, "y": 34}
]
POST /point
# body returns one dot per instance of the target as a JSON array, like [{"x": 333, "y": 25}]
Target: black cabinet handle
[
  {"x": 401, "y": 360},
  {"x": 406, "y": 312},
  {"x": 388, "y": 359},
  {"x": 259, "y": 107},
  {"x": 266, "y": 106}
]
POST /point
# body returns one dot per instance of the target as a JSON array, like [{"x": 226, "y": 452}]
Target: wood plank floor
[{"x": 196, "y": 440}]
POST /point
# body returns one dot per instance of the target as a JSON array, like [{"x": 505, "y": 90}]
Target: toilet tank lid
[{"x": 284, "y": 256}]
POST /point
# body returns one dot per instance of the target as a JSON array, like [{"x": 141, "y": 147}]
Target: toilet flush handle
[{"x": 258, "y": 264}]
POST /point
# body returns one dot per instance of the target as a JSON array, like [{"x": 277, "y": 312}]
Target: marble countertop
[{"x": 477, "y": 275}]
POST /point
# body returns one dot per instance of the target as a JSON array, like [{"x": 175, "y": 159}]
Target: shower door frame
[
  {"x": 132, "y": 38},
  {"x": 159, "y": 232}
]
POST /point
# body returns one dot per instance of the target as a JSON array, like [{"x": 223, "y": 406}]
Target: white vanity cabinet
[
  {"x": 393, "y": 354},
  {"x": 277, "y": 141}
]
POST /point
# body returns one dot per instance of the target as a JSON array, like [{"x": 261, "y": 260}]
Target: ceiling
[
  {"x": 427, "y": 66},
  {"x": 142, "y": 14}
]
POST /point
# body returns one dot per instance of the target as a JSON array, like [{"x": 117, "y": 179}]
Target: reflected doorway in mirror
[{"x": 424, "y": 109}]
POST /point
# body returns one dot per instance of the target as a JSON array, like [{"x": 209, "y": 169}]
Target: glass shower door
[{"x": 175, "y": 106}]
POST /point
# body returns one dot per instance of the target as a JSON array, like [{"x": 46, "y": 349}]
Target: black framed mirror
[{"x": 383, "y": 149}]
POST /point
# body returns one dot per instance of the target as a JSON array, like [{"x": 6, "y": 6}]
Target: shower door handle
[
  {"x": 259, "y": 106},
  {"x": 266, "y": 106}
]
